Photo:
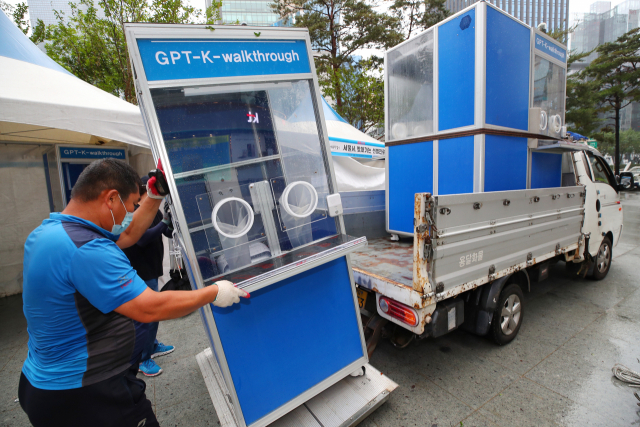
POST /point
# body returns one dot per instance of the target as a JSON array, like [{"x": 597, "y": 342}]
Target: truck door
[{"x": 607, "y": 201}]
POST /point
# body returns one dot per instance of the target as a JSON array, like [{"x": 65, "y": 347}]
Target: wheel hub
[
  {"x": 510, "y": 316},
  {"x": 604, "y": 258}
]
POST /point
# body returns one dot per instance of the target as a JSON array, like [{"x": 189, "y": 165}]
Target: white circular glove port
[
  {"x": 543, "y": 120},
  {"x": 237, "y": 218},
  {"x": 306, "y": 199},
  {"x": 556, "y": 123},
  {"x": 399, "y": 130}
]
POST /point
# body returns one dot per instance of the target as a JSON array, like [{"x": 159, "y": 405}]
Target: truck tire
[
  {"x": 602, "y": 260},
  {"x": 508, "y": 315}
]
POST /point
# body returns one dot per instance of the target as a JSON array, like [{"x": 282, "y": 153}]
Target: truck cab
[{"x": 603, "y": 211}]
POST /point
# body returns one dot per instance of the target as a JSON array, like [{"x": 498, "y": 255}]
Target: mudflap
[{"x": 448, "y": 315}]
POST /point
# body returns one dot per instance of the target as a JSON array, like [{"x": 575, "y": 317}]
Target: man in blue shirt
[{"x": 81, "y": 297}]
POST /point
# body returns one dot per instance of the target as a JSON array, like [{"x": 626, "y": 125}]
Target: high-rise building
[
  {"x": 250, "y": 12},
  {"x": 46, "y": 10},
  {"x": 532, "y": 12},
  {"x": 604, "y": 24}
]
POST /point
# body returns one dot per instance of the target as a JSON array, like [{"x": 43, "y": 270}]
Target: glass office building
[
  {"x": 250, "y": 12},
  {"x": 604, "y": 24},
  {"x": 45, "y": 10},
  {"x": 532, "y": 12}
]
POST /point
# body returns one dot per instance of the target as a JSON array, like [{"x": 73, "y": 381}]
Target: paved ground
[{"x": 557, "y": 372}]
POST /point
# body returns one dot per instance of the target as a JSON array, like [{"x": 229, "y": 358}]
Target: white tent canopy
[
  {"x": 40, "y": 102},
  {"x": 351, "y": 174}
]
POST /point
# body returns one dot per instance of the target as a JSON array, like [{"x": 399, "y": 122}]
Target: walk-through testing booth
[
  {"x": 466, "y": 103},
  {"x": 65, "y": 163},
  {"x": 236, "y": 118}
]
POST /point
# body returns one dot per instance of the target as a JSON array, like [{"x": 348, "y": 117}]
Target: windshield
[{"x": 600, "y": 170}]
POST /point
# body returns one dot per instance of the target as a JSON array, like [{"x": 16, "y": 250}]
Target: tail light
[{"x": 399, "y": 311}]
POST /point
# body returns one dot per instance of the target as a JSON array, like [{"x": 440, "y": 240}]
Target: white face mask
[{"x": 119, "y": 228}]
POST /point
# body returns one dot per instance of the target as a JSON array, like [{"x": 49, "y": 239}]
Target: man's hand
[
  {"x": 151, "y": 306},
  {"x": 157, "y": 187},
  {"x": 228, "y": 294}
]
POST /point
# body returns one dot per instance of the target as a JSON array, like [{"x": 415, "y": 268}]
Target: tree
[
  {"x": 418, "y": 15},
  {"x": 18, "y": 13},
  {"x": 91, "y": 43},
  {"x": 339, "y": 28},
  {"x": 581, "y": 104},
  {"x": 629, "y": 144},
  {"x": 363, "y": 93},
  {"x": 616, "y": 77}
]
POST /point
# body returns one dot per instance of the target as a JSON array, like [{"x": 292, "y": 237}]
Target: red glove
[{"x": 157, "y": 187}]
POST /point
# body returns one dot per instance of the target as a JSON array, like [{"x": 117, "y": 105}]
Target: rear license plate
[{"x": 362, "y": 297}]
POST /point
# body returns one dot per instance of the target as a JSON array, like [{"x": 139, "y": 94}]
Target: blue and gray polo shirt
[{"x": 74, "y": 277}]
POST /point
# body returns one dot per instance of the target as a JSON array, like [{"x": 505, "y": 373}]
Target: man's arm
[
  {"x": 142, "y": 219},
  {"x": 151, "y": 306}
]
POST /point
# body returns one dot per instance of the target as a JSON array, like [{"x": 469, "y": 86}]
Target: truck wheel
[
  {"x": 603, "y": 260},
  {"x": 507, "y": 317}
]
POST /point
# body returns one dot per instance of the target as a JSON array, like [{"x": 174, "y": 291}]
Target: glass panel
[
  {"x": 601, "y": 171},
  {"x": 548, "y": 95},
  {"x": 410, "y": 93},
  {"x": 248, "y": 164}
]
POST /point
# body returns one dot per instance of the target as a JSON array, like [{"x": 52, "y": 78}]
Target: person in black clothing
[{"x": 146, "y": 258}]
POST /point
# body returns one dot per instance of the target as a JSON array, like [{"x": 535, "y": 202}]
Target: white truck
[{"x": 474, "y": 256}]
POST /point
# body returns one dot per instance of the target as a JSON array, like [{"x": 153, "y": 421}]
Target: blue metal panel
[
  {"x": 505, "y": 163},
  {"x": 277, "y": 350},
  {"x": 508, "y": 67},
  {"x": 456, "y": 71},
  {"x": 550, "y": 48},
  {"x": 546, "y": 170},
  {"x": 410, "y": 172},
  {"x": 193, "y": 59},
  {"x": 455, "y": 165}
]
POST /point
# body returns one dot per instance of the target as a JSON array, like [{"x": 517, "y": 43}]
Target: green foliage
[
  {"x": 581, "y": 106},
  {"x": 616, "y": 77},
  {"x": 18, "y": 13},
  {"x": 337, "y": 29},
  {"x": 629, "y": 143},
  {"x": 363, "y": 93},
  {"x": 418, "y": 15},
  {"x": 94, "y": 48},
  {"x": 563, "y": 35}
]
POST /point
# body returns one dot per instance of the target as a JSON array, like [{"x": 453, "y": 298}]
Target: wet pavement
[{"x": 556, "y": 372}]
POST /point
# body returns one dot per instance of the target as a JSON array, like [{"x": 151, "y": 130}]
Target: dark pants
[
  {"x": 119, "y": 401},
  {"x": 152, "y": 328}
]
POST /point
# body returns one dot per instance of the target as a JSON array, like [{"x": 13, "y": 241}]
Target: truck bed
[
  {"x": 386, "y": 267},
  {"x": 390, "y": 260},
  {"x": 463, "y": 241}
]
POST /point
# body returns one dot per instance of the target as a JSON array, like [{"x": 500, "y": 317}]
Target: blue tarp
[{"x": 576, "y": 136}]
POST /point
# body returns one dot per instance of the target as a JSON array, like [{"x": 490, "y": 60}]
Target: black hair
[
  {"x": 106, "y": 174},
  {"x": 143, "y": 184}
]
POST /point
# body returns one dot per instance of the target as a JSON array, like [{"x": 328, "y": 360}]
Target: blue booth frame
[
  {"x": 480, "y": 122},
  {"x": 321, "y": 280}
]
